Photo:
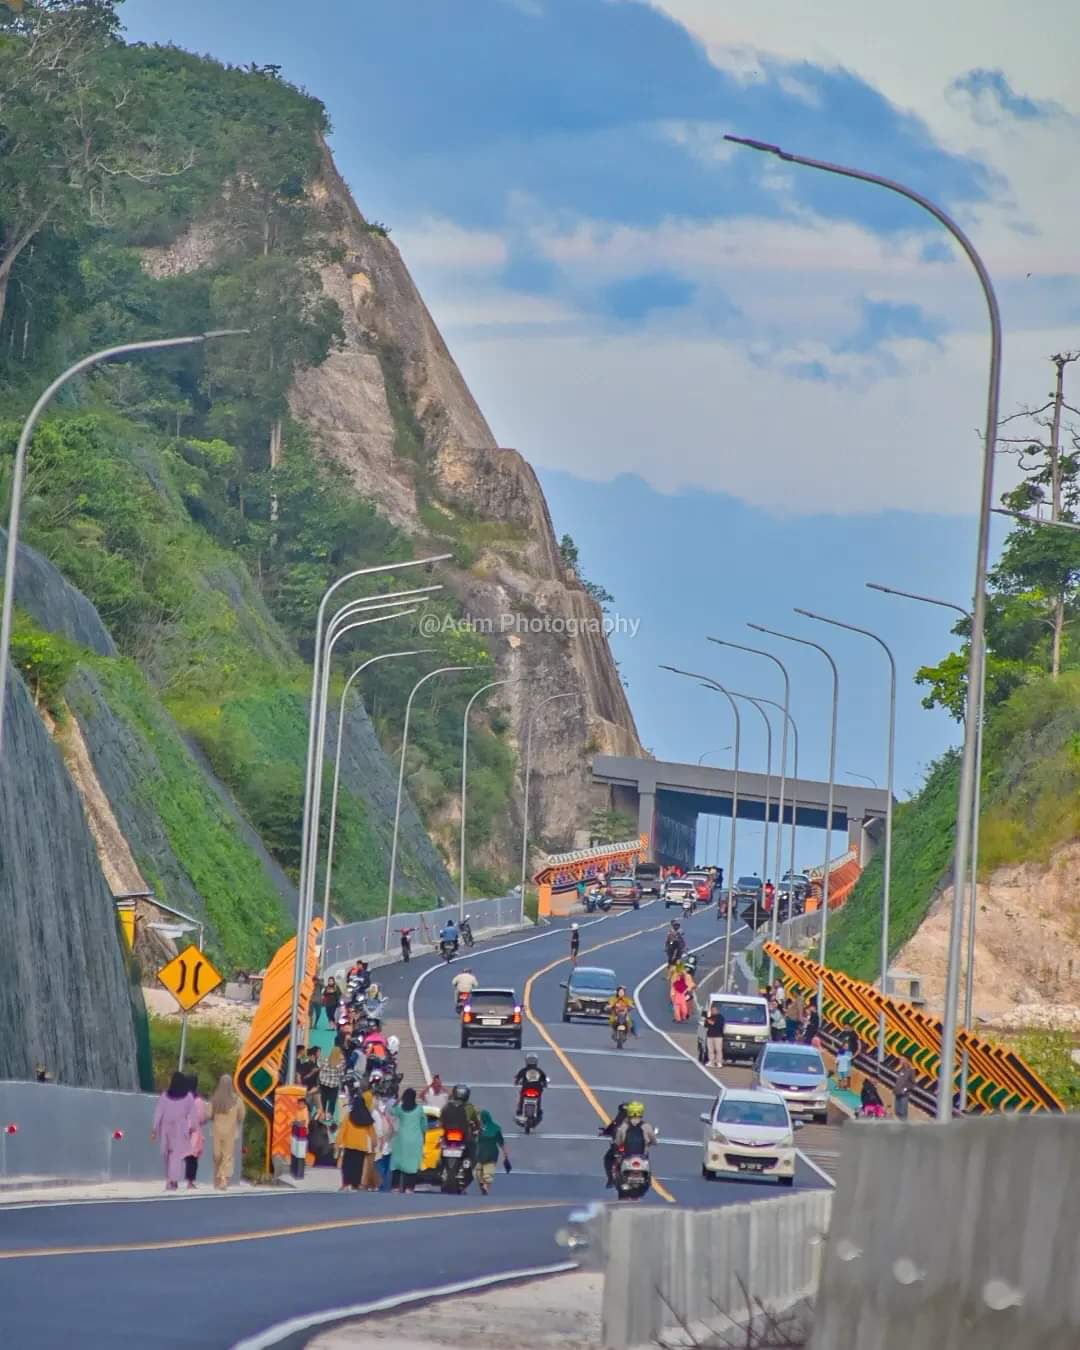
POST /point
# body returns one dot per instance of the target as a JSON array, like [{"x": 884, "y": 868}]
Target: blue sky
[{"x": 781, "y": 370}]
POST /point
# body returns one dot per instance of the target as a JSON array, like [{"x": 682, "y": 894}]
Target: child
[{"x": 843, "y": 1069}]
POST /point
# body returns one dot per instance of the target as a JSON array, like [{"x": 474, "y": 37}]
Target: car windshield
[
  {"x": 751, "y": 1113},
  {"x": 596, "y": 981},
  {"x": 785, "y": 1061},
  {"x": 745, "y": 1014},
  {"x": 749, "y": 883},
  {"x": 492, "y": 997}
]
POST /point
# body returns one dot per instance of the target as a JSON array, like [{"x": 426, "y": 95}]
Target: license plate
[
  {"x": 491, "y": 1021},
  {"x": 751, "y": 1167},
  {"x": 452, "y": 1151}
]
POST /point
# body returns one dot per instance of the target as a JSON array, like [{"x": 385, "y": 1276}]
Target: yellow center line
[
  {"x": 293, "y": 1230},
  {"x": 561, "y": 1054}
]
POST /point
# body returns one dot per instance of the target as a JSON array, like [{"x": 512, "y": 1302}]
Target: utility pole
[{"x": 1061, "y": 360}]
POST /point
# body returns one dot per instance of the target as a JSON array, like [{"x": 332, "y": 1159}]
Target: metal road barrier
[
  {"x": 78, "y": 1134},
  {"x": 998, "y": 1078},
  {"x": 702, "y": 1270},
  {"x": 349, "y": 942},
  {"x": 949, "y": 1237}
]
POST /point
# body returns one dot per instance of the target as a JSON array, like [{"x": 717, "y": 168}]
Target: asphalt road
[{"x": 205, "y": 1273}]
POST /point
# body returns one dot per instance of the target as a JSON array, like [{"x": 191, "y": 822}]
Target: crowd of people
[{"x": 180, "y": 1121}]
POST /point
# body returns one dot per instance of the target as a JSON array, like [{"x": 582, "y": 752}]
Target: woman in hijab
[
  {"x": 487, "y": 1151},
  {"x": 408, "y": 1147},
  {"x": 198, "y": 1136},
  {"x": 355, "y": 1140},
  {"x": 226, "y": 1118},
  {"x": 174, "y": 1120}
]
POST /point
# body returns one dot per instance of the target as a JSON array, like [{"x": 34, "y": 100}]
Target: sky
[{"x": 772, "y": 377}]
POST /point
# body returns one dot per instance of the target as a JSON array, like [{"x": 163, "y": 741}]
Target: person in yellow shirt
[{"x": 355, "y": 1140}]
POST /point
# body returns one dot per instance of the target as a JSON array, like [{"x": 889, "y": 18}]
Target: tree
[
  {"x": 73, "y": 131},
  {"x": 611, "y": 827},
  {"x": 568, "y": 552}
]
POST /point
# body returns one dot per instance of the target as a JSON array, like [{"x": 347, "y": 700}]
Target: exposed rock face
[
  {"x": 518, "y": 589},
  {"x": 65, "y": 998}
]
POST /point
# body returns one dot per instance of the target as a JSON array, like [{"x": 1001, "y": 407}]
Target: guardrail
[
  {"x": 350, "y": 941},
  {"x": 706, "y": 1270},
  {"x": 954, "y": 1236},
  {"x": 998, "y": 1078},
  {"x": 75, "y": 1133}
]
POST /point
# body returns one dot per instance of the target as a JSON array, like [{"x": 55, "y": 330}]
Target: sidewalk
[
  {"x": 30, "y": 1190},
  {"x": 561, "y": 1310}
]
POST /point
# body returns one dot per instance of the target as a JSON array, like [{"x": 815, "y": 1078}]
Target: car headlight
[{"x": 718, "y": 1136}]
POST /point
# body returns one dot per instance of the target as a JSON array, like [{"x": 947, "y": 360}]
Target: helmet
[
  {"x": 675, "y": 924},
  {"x": 393, "y": 1045},
  {"x": 460, "y": 1093},
  {"x": 375, "y": 1076},
  {"x": 635, "y": 1110},
  {"x": 573, "y": 928},
  {"x": 532, "y": 1060}
]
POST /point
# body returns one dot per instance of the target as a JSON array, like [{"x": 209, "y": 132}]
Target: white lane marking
[
  {"x": 693, "y": 1058},
  {"x": 295, "y": 1326},
  {"x": 592, "y": 1138},
  {"x": 570, "y": 1050},
  {"x": 602, "y": 1087},
  {"x": 488, "y": 951}
]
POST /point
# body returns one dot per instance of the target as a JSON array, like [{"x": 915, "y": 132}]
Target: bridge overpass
[{"x": 666, "y": 799}]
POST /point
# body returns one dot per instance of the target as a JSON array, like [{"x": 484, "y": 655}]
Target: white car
[{"x": 749, "y": 1132}]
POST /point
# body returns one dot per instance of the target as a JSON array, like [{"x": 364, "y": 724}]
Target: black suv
[
  {"x": 491, "y": 1015},
  {"x": 587, "y": 992}
]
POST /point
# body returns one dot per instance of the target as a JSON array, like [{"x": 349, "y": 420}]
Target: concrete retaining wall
[{"x": 347, "y": 942}]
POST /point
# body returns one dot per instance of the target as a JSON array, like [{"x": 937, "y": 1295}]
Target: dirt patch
[
  {"x": 1027, "y": 945},
  {"x": 214, "y": 1010}
]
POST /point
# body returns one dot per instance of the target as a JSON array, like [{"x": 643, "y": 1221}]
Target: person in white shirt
[{"x": 463, "y": 983}]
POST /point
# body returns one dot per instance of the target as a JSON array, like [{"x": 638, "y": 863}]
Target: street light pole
[
  {"x": 976, "y": 811},
  {"x": 805, "y": 642},
  {"x": 442, "y": 670},
  {"x": 768, "y": 796},
  {"x": 976, "y": 663},
  {"x": 551, "y": 698},
  {"x": 18, "y": 472},
  {"x": 760, "y": 651},
  {"x": 464, "y": 784},
  {"x": 384, "y": 656},
  {"x": 705, "y": 849},
  {"x": 886, "y": 891},
  {"x": 714, "y": 684},
  {"x": 850, "y": 773}
]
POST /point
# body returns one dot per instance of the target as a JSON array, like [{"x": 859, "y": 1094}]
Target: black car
[
  {"x": 491, "y": 1015},
  {"x": 588, "y": 991}
]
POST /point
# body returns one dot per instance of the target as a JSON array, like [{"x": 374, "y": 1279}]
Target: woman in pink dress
[
  {"x": 174, "y": 1120},
  {"x": 198, "y": 1135}
]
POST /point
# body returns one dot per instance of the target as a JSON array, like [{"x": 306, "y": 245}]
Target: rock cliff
[{"x": 393, "y": 409}]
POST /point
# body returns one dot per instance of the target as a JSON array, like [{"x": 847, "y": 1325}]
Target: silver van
[{"x": 746, "y": 1026}]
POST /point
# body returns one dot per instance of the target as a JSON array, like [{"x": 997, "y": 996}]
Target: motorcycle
[
  {"x": 633, "y": 1176},
  {"x": 466, "y": 933},
  {"x": 687, "y": 906},
  {"x": 606, "y": 902},
  {"x": 460, "y": 999},
  {"x": 620, "y": 1030},
  {"x": 448, "y": 949},
  {"x": 690, "y": 962},
  {"x": 455, "y": 1169},
  {"x": 530, "y": 1108},
  {"x": 592, "y": 901}
]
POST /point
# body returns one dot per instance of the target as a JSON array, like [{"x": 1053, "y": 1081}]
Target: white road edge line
[
  {"x": 518, "y": 942},
  {"x": 297, "y": 1325},
  {"x": 693, "y": 1058}
]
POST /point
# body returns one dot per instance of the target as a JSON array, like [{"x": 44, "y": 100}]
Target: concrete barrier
[
  {"x": 347, "y": 942},
  {"x": 709, "y": 1270},
  {"x": 945, "y": 1237},
  {"x": 71, "y": 1132}
]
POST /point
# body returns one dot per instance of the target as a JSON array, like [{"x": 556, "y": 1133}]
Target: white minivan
[
  {"x": 749, "y": 1132},
  {"x": 746, "y": 1026}
]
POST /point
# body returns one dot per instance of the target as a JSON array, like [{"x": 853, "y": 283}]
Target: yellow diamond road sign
[{"x": 189, "y": 977}]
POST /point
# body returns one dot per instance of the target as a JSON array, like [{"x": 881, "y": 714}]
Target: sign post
[{"x": 189, "y": 977}]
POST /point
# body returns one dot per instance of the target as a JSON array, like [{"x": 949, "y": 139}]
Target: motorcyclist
[
  {"x": 674, "y": 942},
  {"x": 449, "y": 933},
  {"x": 635, "y": 1135},
  {"x": 532, "y": 1075},
  {"x": 374, "y": 1003},
  {"x": 460, "y": 1114},
  {"x": 463, "y": 983},
  {"x": 621, "y": 1005},
  {"x": 609, "y": 1131}
]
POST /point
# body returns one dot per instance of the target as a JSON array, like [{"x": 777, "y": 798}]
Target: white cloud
[{"x": 438, "y": 242}]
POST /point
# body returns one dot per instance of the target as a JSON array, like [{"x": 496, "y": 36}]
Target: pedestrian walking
[
  {"x": 580, "y": 888},
  {"x": 714, "y": 1036},
  {"x": 173, "y": 1122},
  {"x": 331, "y": 1076},
  {"x": 408, "y": 1148},
  {"x": 777, "y": 1024},
  {"x": 331, "y": 997},
  {"x": 905, "y": 1081},
  {"x": 575, "y": 942},
  {"x": 791, "y": 1019},
  {"x": 198, "y": 1137},
  {"x": 680, "y": 995},
  {"x": 843, "y": 1069},
  {"x": 226, "y": 1113},
  {"x": 488, "y": 1146},
  {"x": 355, "y": 1140},
  {"x": 385, "y": 1127}
]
